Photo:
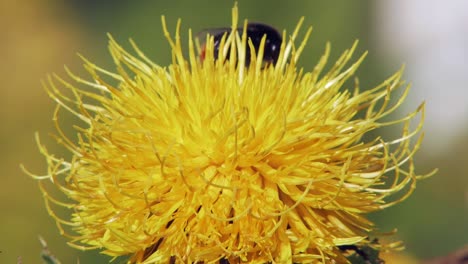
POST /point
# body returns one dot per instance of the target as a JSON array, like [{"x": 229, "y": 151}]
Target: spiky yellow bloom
[{"x": 207, "y": 160}]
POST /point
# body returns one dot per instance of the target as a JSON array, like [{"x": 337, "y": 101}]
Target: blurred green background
[{"x": 40, "y": 36}]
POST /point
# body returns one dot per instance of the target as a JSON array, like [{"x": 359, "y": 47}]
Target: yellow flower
[{"x": 209, "y": 160}]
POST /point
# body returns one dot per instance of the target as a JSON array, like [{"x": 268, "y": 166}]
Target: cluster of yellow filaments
[{"x": 209, "y": 159}]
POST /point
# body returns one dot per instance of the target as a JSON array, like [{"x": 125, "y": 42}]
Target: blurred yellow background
[{"x": 40, "y": 36}]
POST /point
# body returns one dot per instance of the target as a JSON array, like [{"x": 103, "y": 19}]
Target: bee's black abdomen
[{"x": 255, "y": 32}]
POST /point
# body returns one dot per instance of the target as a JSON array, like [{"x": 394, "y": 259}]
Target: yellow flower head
[{"x": 210, "y": 159}]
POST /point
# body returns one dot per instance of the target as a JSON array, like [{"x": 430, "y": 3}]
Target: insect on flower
[
  {"x": 255, "y": 33},
  {"x": 214, "y": 162}
]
